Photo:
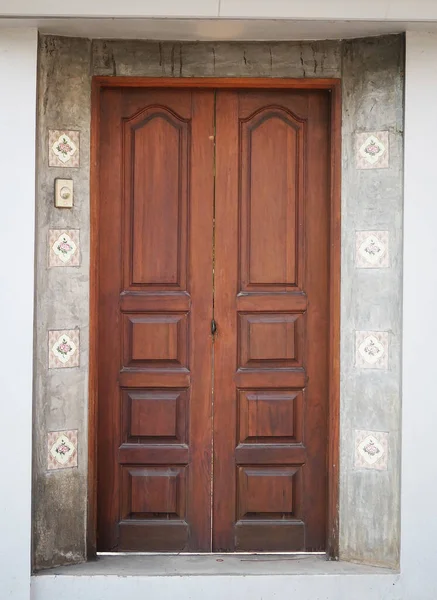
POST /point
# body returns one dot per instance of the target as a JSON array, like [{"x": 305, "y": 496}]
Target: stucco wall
[
  {"x": 341, "y": 10},
  {"x": 371, "y": 299},
  {"x": 372, "y": 201},
  {"x": 18, "y": 58}
]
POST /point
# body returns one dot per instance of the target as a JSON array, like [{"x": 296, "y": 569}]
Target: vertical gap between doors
[{"x": 213, "y": 317}]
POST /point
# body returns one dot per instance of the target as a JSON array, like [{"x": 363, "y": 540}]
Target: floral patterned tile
[
  {"x": 371, "y": 349},
  {"x": 63, "y": 349},
  {"x": 63, "y": 148},
  {"x": 371, "y": 249},
  {"x": 371, "y": 450},
  {"x": 372, "y": 150},
  {"x": 62, "y": 449},
  {"x": 64, "y": 248}
]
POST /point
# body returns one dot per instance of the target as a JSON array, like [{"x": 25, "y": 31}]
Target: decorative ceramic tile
[
  {"x": 64, "y": 248},
  {"x": 371, "y": 349},
  {"x": 63, "y": 148},
  {"x": 371, "y": 450},
  {"x": 372, "y": 150},
  {"x": 371, "y": 249},
  {"x": 63, "y": 349},
  {"x": 62, "y": 449}
]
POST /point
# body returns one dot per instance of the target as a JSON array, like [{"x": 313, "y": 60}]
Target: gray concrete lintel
[{"x": 159, "y": 565}]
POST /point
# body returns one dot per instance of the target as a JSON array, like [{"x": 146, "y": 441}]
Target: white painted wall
[
  {"x": 18, "y": 56},
  {"x": 204, "y": 587},
  {"x": 419, "y": 431},
  {"x": 378, "y": 10}
]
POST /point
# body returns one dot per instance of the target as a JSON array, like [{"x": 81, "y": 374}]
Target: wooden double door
[{"x": 213, "y": 319}]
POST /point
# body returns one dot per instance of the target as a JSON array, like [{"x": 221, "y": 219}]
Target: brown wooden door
[
  {"x": 213, "y": 442},
  {"x": 271, "y": 307},
  {"x": 155, "y": 309}
]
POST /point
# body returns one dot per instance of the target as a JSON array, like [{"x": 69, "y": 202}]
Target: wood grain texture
[
  {"x": 250, "y": 534},
  {"x": 225, "y": 345},
  {"x": 156, "y": 158},
  {"x": 219, "y": 82},
  {"x": 155, "y": 360},
  {"x": 272, "y": 237},
  {"x": 109, "y": 283},
  {"x": 93, "y": 326},
  {"x": 334, "y": 325}
]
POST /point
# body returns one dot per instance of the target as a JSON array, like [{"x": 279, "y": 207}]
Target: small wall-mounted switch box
[{"x": 64, "y": 193}]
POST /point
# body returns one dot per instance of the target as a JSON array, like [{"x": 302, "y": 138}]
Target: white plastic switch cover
[{"x": 63, "y": 193}]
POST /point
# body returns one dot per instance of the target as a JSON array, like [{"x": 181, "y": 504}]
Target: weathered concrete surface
[
  {"x": 221, "y": 59},
  {"x": 216, "y": 565},
  {"x": 62, "y": 302},
  {"x": 61, "y": 396},
  {"x": 370, "y": 300}
]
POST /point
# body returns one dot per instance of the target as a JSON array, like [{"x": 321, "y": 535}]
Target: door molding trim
[
  {"x": 334, "y": 87},
  {"x": 274, "y": 83}
]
